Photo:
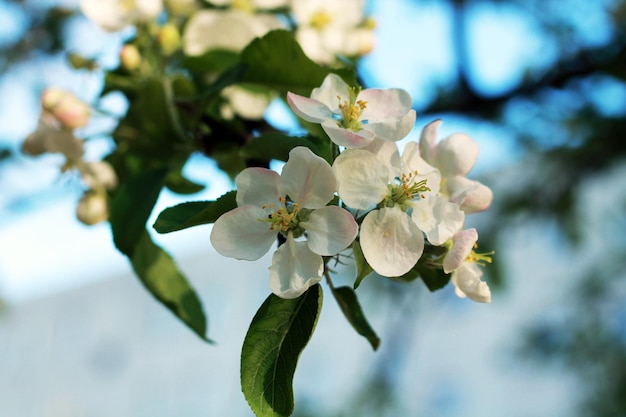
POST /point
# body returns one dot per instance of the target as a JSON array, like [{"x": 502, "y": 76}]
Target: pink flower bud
[{"x": 70, "y": 111}]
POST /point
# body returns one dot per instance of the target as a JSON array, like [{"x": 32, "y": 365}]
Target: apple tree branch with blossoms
[{"x": 198, "y": 79}]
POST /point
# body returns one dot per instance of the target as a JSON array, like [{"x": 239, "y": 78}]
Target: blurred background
[{"x": 539, "y": 84}]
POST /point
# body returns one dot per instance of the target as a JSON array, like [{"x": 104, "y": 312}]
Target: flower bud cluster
[{"x": 62, "y": 113}]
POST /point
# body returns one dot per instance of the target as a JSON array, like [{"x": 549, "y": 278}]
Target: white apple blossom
[
  {"x": 247, "y": 103},
  {"x": 455, "y": 156},
  {"x": 463, "y": 263},
  {"x": 398, "y": 188},
  {"x": 114, "y": 15},
  {"x": 294, "y": 205},
  {"x": 352, "y": 117},
  {"x": 230, "y": 30},
  {"x": 327, "y": 28}
]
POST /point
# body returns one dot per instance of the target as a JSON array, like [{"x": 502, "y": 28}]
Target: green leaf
[
  {"x": 214, "y": 61},
  {"x": 178, "y": 183},
  {"x": 434, "y": 279},
  {"x": 131, "y": 206},
  {"x": 277, "y": 335},
  {"x": 194, "y": 213},
  {"x": 276, "y": 146},
  {"x": 347, "y": 300},
  {"x": 277, "y": 61},
  {"x": 159, "y": 274},
  {"x": 363, "y": 269}
]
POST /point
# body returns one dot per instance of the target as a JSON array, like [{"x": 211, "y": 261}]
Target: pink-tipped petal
[
  {"x": 309, "y": 109},
  {"x": 462, "y": 245},
  {"x": 428, "y": 141}
]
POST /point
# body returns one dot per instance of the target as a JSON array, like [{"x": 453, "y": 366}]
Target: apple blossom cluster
[
  {"x": 393, "y": 203},
  {"x": 63, "y": 113},
  {"x": 325, "y": 29}
]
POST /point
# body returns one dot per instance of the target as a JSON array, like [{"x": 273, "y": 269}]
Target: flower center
[
  {"x": 284, "y": 218},
  {"x": 407, "y": 188},
  {"x": 319, "y": 20},
  {"x": 351, "y": 111},
  {"x": 480, "y": 258}
]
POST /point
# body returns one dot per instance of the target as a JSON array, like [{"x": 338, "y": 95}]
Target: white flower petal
[
  {"x": 294, "y": 269},
  {"x": 308, "y": 179},
  {"x": 240, "y": 234},
  {"x": 257, "y": 187},
  {"x": 224, "y": 29},
  {"x": 330, "y": 230},
  {"x": 345, "y": 137},
  {"x": 393, "y": 103},
  {"x": 309, "y": 109},
  {"x": 428, "y": 141},
  {"x": 392, "y": 129},
  {"x": 456, "y": 155},
  {"x": 362, "y": 178},
  {"x": 388, "y": 154},
  {"x": 248, "y": 103},
  {"x": 467, "y": 280},
  {"x": 391, "y": 243},
  {"x": 447, "y": 219},
  {"x": 479, "y": 199},
  {"x": 462, "y": 245},
  {"x": 332, "y": 87}
]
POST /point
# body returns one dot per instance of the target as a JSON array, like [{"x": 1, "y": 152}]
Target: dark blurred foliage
[
  {"x": 568, "y": 128},
  {"x": 557, "y": 116}
]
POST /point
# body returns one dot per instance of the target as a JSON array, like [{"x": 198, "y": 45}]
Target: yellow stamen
[{"x": 351, "y": 111}]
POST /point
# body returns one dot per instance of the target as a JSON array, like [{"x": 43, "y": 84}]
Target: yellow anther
[
  {"x": 351, "y": 111},
  {"x": 480, "y": 258}
]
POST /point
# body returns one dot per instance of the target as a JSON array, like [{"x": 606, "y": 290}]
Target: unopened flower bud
[
  {"x": 169, "y": 39},
  {"x": 68, "y": 109},
  {"x": 98, "y": 175},
  {"x": 130, "y": 59},
  {"x": 49, "y": 137},
  {"x": 92, "y": 208}
]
